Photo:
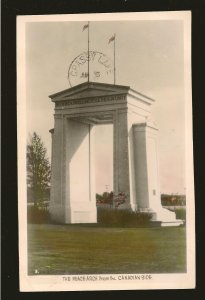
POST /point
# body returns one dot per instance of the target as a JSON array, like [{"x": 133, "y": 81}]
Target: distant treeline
[
  {"x": 166, "y": 199},
  {"x": 109, "y": 197},
  {"x": 106, "y": 197},
  {"x": 173, "y": 200}
]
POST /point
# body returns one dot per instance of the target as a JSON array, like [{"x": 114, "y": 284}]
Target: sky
[{"x": 149, "y": 59}]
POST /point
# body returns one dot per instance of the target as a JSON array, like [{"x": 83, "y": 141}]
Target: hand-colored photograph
[{"x": 106, "y": 190}]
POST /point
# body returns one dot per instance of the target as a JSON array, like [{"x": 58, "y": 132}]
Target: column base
[
  {"x": 172, "y": 224},
  {"x": 162, "y": 217},
  {"x": 82, "y": 212},
  {"x": 166, "y": 217},
  {"x": 57, "y": 213},
  {"x": 78, "y": 213}
]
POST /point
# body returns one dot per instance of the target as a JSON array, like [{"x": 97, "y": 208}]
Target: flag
[
  {"x": 111, "y": 39},
  {"x": 85, "y": 27}
]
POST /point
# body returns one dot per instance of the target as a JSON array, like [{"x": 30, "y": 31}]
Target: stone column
[
  {"x": 92, "y": 166},
  {"x": 146, "y": 167},
  {"x": 121, "y": 159},
  {"x": 141, "y": 168},
  {"x": 148, "y": 196},
  {"x": 80, "y": 186},
  {"x": 56, "y": 207}
]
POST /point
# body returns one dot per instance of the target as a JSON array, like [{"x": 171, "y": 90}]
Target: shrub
[
  {"x": 126, "y": 218},
  {"x": 37, "y": 215},
  {"x": 180, "y": 213}
]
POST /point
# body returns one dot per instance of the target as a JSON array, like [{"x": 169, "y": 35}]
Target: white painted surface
[
  {"x": 78, "y": 155},
  {"x": 147, "y": 173},
  {"x": 135, "y": 170},
  {"x": 81, "y": 183}
]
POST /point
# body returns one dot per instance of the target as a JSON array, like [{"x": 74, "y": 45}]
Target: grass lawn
[{"x": 81, "y": 249}]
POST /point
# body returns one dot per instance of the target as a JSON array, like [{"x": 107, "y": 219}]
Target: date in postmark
[{"x": 100, "y": 68}]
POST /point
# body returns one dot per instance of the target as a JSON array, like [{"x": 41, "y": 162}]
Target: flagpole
[
  {"x": 88, "y": 51},
  {"x": 114, "y": 63}
]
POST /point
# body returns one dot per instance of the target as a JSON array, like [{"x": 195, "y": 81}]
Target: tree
[{"x": 38, "y": 170}]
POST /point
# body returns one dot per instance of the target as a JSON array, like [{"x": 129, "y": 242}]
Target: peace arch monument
[{"x": 77, "y": 111}]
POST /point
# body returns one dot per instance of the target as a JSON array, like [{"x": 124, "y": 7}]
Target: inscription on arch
[{"x": 90, "y": 100}]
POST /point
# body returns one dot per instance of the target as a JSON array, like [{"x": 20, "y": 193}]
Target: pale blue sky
[{"x": 149, "y": 58}]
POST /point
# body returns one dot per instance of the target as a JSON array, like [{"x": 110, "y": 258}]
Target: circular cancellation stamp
[{"x": 100, "y": 68}]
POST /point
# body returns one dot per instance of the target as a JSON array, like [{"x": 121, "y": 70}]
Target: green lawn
[{"x": 81, "y": 249}]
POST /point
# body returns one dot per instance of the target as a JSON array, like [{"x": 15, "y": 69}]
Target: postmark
[{"x": 100, "y": 68}]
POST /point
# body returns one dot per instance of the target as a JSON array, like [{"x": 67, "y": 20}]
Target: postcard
[{"x": 105, "y": 152}]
